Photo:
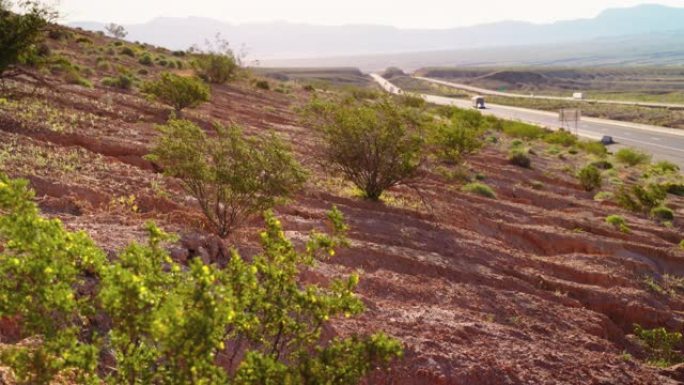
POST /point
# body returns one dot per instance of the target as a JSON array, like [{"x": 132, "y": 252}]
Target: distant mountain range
[{"x": 651, "y": 30}]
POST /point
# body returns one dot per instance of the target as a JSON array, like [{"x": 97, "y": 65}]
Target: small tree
[
  {"x": 20, "y": 34},
  {"x": 376, "y": 145},
  {"x": 455, "y": 139},
  {"x": 590, "y": 177},
  {"x": 116, "y": 30},
  {"x": 231, "y": 176},
  {"x": 177, "y": 91},
  {"x": 216, "y": 63},
  {"x": 142, "y": 318}
]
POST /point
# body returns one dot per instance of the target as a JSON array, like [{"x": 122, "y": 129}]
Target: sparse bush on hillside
[
  {"x": 561, "y": 137},
  {"x": 128, "y": 51},
  {"x": 662, "y": 213},
  {"x": 641, "y": 198},
  {"x": 177, "y": 91},
  {"x": 115, "y": 30},
  {"x": 455, "y": 139},
  {"x": 593, "y": 147},
  {"x": 411, "y": 100},
  {"x": 662, "y": 167},
  {"x": 632, "y": 157},
  {"x": 590, "y": 177},
  {"x": 146, "y": 59},
  {"x": 523, "y": 130},
  {"x": 479, "y": 189},
  {"x": 123, "y": 81},
  {"x": 602, "y": 164},
  {"x": 233, "y": 177},
  {"x": 660, "y": 345},
  {"x": 263, "y": 84},
  {"x": 618, "y": 222},
  {"x": 520, "y": 159},
  {"x": 374, "y": 144},
  {"x": 20, "y": 35},
  {"x": 216, "y": 63},
  {"x": 164, "y": 323}
]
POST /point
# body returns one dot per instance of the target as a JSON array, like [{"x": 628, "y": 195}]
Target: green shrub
[
  {"x": 455, "y": 140},
  {"x": 662, "y": 167},
  {"x": 177, "y": 91},
  {"x": 146, "y": 59},
  {"x": 150, "y": 320},
  {"x": 632, "y": 157},
  {"x": 618, "y": 222},
  {"x": 375, "y": 145},
  {"x": 660, "y": 345},
  {"x": 603, "y": 196},
  {"x": 411, "y": 100},
  {"x": 675, "y": 188},
  {"x": 128, "y": 51},
  {"x": 123, "y": 81},
  {"x": 561, "y": 137},
  {"x": 523, "y": 130},
  {"x": 520, "y": 159},
  {"x": 662, "y": 213},
  {"x": 263, "y": 84},
  {"x": 640, "y": 198},
  {"x": 590, "y": 178},
  {"x": 231, "y": 176},
  {"x": 20, "y": 34},
  {"x": 217, "y": 68},
  {"x": 84, "y": 40},
  {"x": 602, "y": 164},
  {"x": 592, "y": 147},
  {"x": 479, "y": 189}
]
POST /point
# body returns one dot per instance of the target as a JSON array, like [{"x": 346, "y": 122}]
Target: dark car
[{"x": 606, "y": 140}]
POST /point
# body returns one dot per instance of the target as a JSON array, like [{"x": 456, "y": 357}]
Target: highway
[
  {"x": 663, "y": 143},
  {"x": 484, "y": 91}
]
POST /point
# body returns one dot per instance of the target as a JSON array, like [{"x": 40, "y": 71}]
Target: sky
[{"x": 399, "y": 13}]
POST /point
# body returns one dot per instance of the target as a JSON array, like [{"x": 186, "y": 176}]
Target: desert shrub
[
  {"x": 308, "y": 88},
  {"x": 602, "y": 164},
  {"x": 178, "y": 53},
  {"x": 523, "y": 130},
  {"x": 662, "y": 213},
  {"x": 455, "y": 139},
  {"x": 177, "y": 91},
  {"x": 362, "y": 93},
  {"x": 662, "y": 167},
  {"x": 146, "y": 59},
  {"x": 20, "y": 35},
  {"x": 115, "y": 30},
  {"x": 84, "y": 40},
  {"x": 660, "y": 345},
  {"x": 123, "y": 81},
  {"x": 603, "y": 196},
  {"x": 103, "y": 65},
  {"x": 143, "y": 72},
  {"x": 375, "y": 145},
  {"x": 641, "y": 198},
  {"x": 632, "y": 157},
  {"x": 411, "y": 100},
  {"x": 128, "y": 51},
  {"x": 166, "y": 323},
  {"x": 73, "y": 77},
  {"x": 479, "y": 189},
  {"x": 561, "y": 137},
  {"x": 519, "y": 158},
  {"x": 675, "y": 188},
  {"x": 232, "y": 176},
  {"x": 618, "y": 222},
  {"x": 263, "y": 84},
  {"x": 215, "y": 68},
  {"x": 593, "y": 147},
  {"x": 590, "y": 178}
]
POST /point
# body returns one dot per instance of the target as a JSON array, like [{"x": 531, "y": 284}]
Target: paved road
[
  {"x": 484, "y": 91},
  {"x": 663, "y": 143}
]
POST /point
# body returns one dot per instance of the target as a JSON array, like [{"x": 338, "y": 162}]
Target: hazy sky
[{"x": 400, "y": 13}]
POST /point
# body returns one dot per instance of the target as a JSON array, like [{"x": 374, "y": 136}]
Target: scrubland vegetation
[{"x": 138, "y": 316}]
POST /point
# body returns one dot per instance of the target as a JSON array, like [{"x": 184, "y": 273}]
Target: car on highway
[
  {"x": 607, "y": 139},
  {"x": 479, "y": 102}
]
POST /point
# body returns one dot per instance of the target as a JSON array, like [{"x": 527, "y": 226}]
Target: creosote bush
[
  {"x": 375, "y": 144},
  {"x": 660, "y": 345},
  {"x": 166, "y": 323},
  {"x": 233, "y": 177},
  {"x": 662, "y": 213},
  {"x": 618, "y": 222},
  {"x": 479, "y": 189},
  {"x": 519, "y": 158},
  {"x": 20, "y": 35},
  {"x": 632, "y": 157},
  {"x": 590, "y": 178},
  {"x": 177, "y": 91},
  {"x": 457, "y": 137},
  {"x": 641, "y": 198}
]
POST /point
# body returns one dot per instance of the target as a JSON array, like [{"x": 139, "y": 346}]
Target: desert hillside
[{"x": 522, "y": 283}]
